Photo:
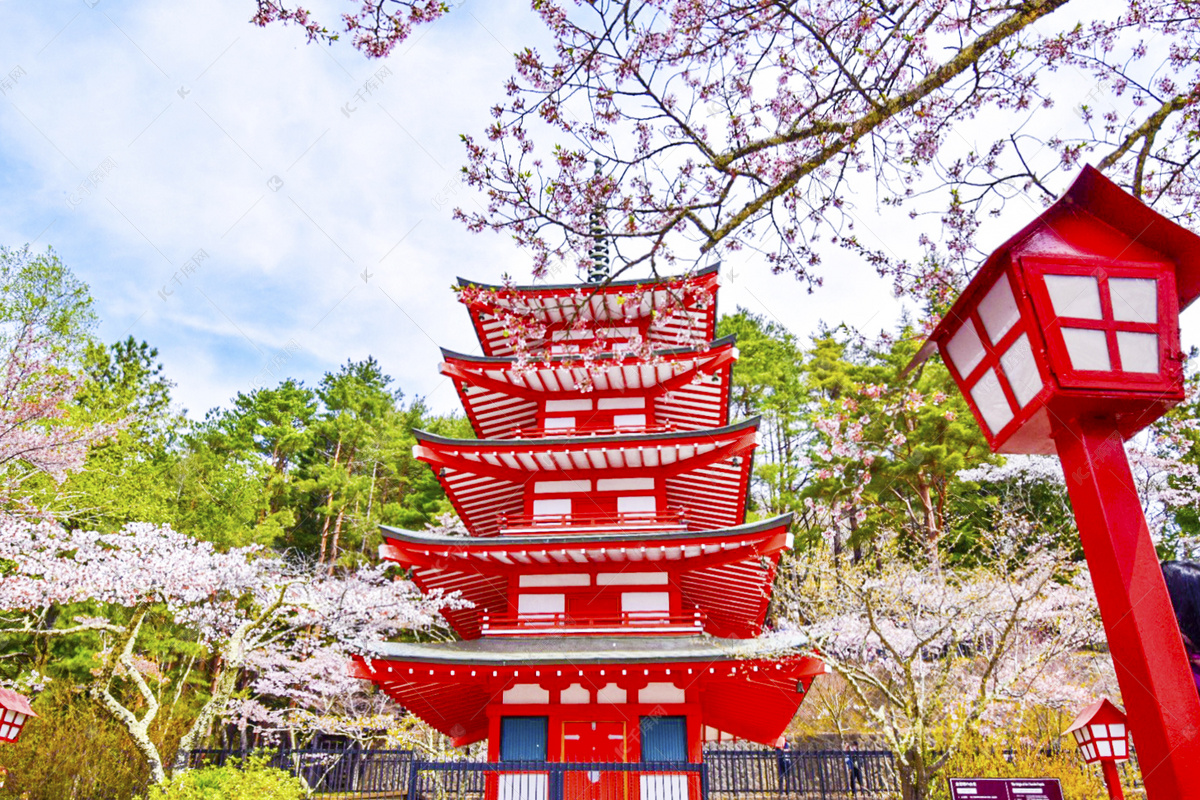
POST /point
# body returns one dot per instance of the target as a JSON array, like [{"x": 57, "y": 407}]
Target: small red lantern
[
  {"x": 1067, "y": 342},
  {"x": 1103, "y": 738},
  {"x": 14, "y": 712}
]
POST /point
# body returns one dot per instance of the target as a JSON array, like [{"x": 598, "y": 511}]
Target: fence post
[
  {"x": 555, "y": 781},
  {"x": 703, "y": 780},
  {"x": 414, "y": 769}
]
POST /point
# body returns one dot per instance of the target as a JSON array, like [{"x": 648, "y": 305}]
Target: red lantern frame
[{"x": 15, "y": 713}]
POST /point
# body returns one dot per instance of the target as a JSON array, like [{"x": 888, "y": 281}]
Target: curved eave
[
  {"x": 598, "y": 287},
  {"x": 726, "y": 574},
  {"x": 467, "y": 543},
  {"x": 568, "y": 358},
  {"x": 585, "y": 442},
  {"x": 589, "y": 650},
  {"x": 744, "y": 688}
]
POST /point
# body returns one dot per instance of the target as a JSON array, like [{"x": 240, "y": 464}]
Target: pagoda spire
[{"x": 598, "y": 271}]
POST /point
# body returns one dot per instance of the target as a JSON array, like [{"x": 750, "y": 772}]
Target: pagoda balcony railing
[
  {"x": 626, "y": 521},
  {"x": 658, "y": 623},
  {"x": 592, "y": 430}
]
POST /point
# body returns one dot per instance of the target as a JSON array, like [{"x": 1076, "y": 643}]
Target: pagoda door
[{"x": 594, "y": 743}]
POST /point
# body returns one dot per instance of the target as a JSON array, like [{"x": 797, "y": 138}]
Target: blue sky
[{"x": 256, "y": 207}]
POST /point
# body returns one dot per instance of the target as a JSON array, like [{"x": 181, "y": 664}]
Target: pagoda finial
[{"x": 598, "y": 271}]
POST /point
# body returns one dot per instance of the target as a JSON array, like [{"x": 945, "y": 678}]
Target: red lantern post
[
  {"x": 1101, "y": 732},
  {"x": 1067, "y": 341}
]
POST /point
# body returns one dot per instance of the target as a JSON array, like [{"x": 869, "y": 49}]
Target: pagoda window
[
  {"x": 628, "y": 420},
  {"x": 526, "y": 694},
  {"x": 645, "y": 605},
  {"x": 664, "y": 739},
  {"x": 557, "y": 406},
  {"x": 541, "y": 605},
  {"x": 555, "y": 579},
  {"x": 639, "y": 504},
  {"x": 625, "y": 484},
  {"x": 658, "y": 693},
  {"x": 632, "y": 579},
  {"x": 559, "y": 423},
  {"x": 575, "y": 695},
  {"x": 552, "y": 509},
  {"x": 612, "y": 694},
  {"x": 554, "y": 487},
  {"x": 616, "y": 403},
  {"x": 523, "y": 738}
]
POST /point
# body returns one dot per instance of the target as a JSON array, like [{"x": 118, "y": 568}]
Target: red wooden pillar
[{"x": 1156, "y": 683}]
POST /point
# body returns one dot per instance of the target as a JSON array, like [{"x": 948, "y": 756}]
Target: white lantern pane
[
  {"x": 1086, "y": 734},
  {"x": 1078, "y": 736},
  {"x": 1088, "y": 349},
  {"x": 1021, "y": 371},
  {"x": 1116, "y": 730},
  {"x": 1100, "y": 731},
  {"x": 1119, "y": 748},
  {"x": 1075, "y": 296},
  {"x": 5, "y": 732},
  {"x": 998, "y": 310},
  {"x": 990, "y": 400},
  {"x": 8, "y": 715},
  {"x": 1088, "y": 753},
  {"x": 1134, "y": 299},
  {"x": 965, "y": 349},
  {"x": 1139, "y": 351},
  {"x": 1103, "y": 748},
  {"x": 19, "y": 720}
]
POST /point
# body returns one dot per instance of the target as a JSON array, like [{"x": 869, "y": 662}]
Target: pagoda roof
[
  {"x": 706, "y": 472},
  {"x": 749, "y": 688},
  {"x": 687, "y": 388},
  {"x": 721, "y": 572},
  {"x": 558, "y": 306},
  {"x": 581, "y": 650}
]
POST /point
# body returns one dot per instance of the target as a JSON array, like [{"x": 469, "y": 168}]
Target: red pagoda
[{"x": 616, "y": 590}]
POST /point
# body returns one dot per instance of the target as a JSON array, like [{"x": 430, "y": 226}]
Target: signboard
[{"x": 1005, "y": 789}]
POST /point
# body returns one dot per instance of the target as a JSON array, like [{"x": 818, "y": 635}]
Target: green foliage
[
  {"x": 253, "y": 781},
  {"x": 911, "y": 433},
  {"x": 123, "y": 479},
  {"x": 39, "y": 292},
  {"x": 769, "y": 380}
]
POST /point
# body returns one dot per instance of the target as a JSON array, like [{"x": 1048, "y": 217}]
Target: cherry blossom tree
[
  {"x": 37, "y": 436},
  {"x": 932, "y": 654},
  {"x": 780, "y": 126},
  {"x": 238, "y": 603}
]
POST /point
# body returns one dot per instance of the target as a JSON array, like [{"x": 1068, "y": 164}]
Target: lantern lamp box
[
  {"x": 14, "y": 713},
  {"x": 1101, "y": 732},
  {"x": 1076, "y": 315}
]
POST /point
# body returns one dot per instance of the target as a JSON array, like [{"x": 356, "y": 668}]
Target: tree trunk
[
  {"x": 233, "y": 658},
  {"x": 337, "y": 456},
  {"x": 101, "y": 691}
]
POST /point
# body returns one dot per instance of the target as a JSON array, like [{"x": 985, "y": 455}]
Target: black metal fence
[
  {"x": 801, "y": 773},
  {"x": 724, "y": 775}
]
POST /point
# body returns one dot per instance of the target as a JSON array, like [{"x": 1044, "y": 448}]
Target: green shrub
[
  {"x": 254, "y": 781},
  {"x": 72, "y": 751}
]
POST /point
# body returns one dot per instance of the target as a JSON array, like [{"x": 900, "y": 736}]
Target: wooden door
[{"x": 594, "y": 742}]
